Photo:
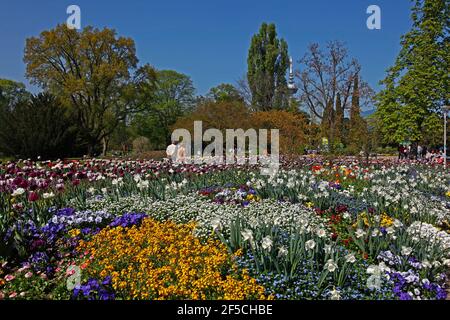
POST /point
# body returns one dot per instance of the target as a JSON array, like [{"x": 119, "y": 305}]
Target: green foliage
[
  {"x": 94, "y": 72},
  {"x": 358, "y": 131},
  {"x": 12, "y": 92},
  {"x": 40, "y": 127},
  {"x": 267, "y": 66},
  {"x": 417, "y": 86},
  {"x": 225, "y": 92},
  {"x": 174, "y": 97}
]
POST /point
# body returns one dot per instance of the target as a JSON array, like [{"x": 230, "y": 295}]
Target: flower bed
[{"x": 110, "y": 229}]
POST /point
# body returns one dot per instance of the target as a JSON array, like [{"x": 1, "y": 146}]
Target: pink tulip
[{"x": 9, "y": 277}]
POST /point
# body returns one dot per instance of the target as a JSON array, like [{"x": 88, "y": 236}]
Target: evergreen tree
[
  {"x": 267, "y": 66},
  {"x": 328, "y": 123},
  {"x": 358, "y": 126},
  {"x": 339, "y": 120},
  {"x": 39, "y": 127}
]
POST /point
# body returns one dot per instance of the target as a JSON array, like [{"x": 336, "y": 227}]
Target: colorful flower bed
[{"x": 112, "y": 229}]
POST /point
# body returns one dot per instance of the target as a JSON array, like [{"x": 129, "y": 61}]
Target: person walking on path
[{"x": 172, "y": 151}]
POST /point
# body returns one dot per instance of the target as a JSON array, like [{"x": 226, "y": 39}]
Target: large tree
[
  {"x": 93, "y": 71},
  {"x": 174, "y": 97},
  {"x": 418, "y": 85},
  {"x": 267, "y": 66},
  {"x": 325, "y": 74}
]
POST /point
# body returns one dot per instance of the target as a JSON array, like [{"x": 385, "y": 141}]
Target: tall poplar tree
[{"x": 267, "y": 66}]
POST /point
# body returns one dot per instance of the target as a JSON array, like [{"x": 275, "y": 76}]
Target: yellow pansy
[{"x": 166, "y": 261}]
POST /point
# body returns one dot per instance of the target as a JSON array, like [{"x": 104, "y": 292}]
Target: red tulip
[{"x": 33, "y": 196}]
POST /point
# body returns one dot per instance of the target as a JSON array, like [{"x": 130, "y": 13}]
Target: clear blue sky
[{"x": 209, "y": 39}]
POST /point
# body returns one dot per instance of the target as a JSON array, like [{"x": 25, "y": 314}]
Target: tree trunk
[{"x": 105, "y": 142}]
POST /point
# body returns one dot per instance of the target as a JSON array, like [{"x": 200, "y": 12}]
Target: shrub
[{"x": 141, "y": 145}]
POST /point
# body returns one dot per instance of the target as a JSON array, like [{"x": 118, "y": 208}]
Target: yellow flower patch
[
  {"x": 166, "y": 261},
  {"x": 385, "y": 221}
]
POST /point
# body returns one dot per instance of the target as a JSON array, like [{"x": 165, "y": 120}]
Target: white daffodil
[
  {"x": 350, "y": 258},
  {"x": 328, "y": 249},
  {"x": 216, "y": 224},
  {"x": 247, "y": 235},
  {"x": 360, "y": 233},
  {"x": 331, "y": 266},
  {"x": 267, "y": 243},
  {"x": 310, "y": 244},
  {"x": 406, "y": 251},
  {"x": 282, "y": 251},
  {"x": 48, "y": 195},
  {"x": 335, "y": 294},
  {"x": 321, "y": 233}
]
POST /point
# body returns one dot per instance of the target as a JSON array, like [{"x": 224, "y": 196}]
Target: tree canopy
[
  {"x": 94, "y": 72},
  {"x": 267, "y": 66},
  {"x": 417, "y": 85}
]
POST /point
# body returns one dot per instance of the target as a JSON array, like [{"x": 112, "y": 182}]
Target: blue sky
[{"x": 209, "y": 39}]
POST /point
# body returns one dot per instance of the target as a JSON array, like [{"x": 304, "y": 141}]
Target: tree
[
  {"x": 39, "y": 127},
  {"x": 327, "y": 74},
  {"x": 95, "y": 73},
  {"x": 358, "y": 126},
  {"x": 293, "y": 128},
  {"x": 12, "y": 93},
  {"x": 417, "y": 85},
  {"x": 328, "y": 123},
  {"x": 339, "y": 120},
  {"x": 217, "y": 115},
  {"x": 267, "y": 66},
  {"x": 224, "y": 92},
  {"x": 174, "y": 97}
]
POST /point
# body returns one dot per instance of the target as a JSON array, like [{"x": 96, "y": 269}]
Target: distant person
[
  {"x": 181, "y": 153},
  {"x": 419, "y": 152},
  {"x": 424, "y": 152},
  {"x": 400, "y": 152},
  {"x": 172, "y": 150}
]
